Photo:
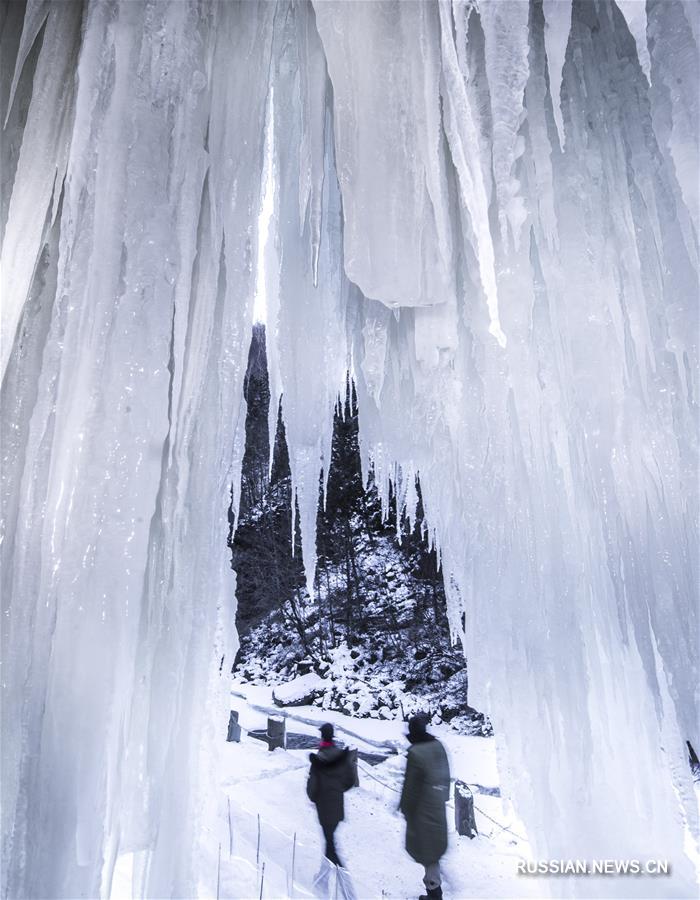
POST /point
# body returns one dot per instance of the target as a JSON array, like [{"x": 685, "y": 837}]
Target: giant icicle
[
  {"x": 445, "y": 177},
  {"x": 308, "y": 335},
  {"x": 120, "y": 408}
]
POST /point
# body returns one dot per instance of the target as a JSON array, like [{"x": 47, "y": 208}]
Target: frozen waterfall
[{"x": 488, "y": 212}]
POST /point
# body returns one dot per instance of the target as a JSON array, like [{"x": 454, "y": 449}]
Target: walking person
[
  {"x": 332, "y": 773},
  {"x": 426, "y": 789}
]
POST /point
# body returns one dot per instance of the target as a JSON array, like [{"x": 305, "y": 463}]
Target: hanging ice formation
[{"x": 490, "y": 213}]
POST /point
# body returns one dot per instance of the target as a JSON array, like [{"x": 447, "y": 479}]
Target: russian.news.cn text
[{"x": 650, "y": 867}]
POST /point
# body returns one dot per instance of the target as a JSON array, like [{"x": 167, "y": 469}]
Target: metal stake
[
  {"x": 257, "y": 851},
  {"x": 230, "y": 828}
]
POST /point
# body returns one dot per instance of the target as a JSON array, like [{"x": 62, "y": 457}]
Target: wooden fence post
[
  {"x": 464, "y": 810},
  {"x": 234, "y": 729},
  {"x": 352, "y": 756},
  {"x": 276, "y": 733}
]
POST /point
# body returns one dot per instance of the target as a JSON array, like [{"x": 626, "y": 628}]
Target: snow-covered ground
[
  {"x": 265, "y": 794},
  {"x": 473, "y": 759},
  {"x": 263, "y": 839}
]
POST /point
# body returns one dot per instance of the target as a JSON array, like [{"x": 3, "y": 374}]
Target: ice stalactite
[
  {"x": 675, "y": 106},
  {"x": 557, "y": 25},
  {"x": 308, "y": 334},
  {"x": 547, "y": 471},
  {"x": 444, "y": 177},
  {"x": 463, "y": 140},
  {"x": 47, "y": 131},
  {"x": 636, "y": 17},
  {"x": 121, "y": 403},
  {"x": 391, "y": 169},
  {"x": 506, "y": 61}
]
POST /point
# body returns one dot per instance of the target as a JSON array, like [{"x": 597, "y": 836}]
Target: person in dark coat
[
  {"x": 331, "y": 774},
  {"x": 426, "y": 789}
]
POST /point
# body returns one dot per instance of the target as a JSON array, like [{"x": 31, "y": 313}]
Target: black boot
[{"x": 433, "y": 894}]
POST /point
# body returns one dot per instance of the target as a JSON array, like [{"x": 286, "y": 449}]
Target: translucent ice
[
  {"x": 120, "y": 407},
  {"x": 307, "y": 335},
  {"x": 46, "y": 136},
  {"x": 635, "y": 14},
  {"x": 397, "y": 236},
  {"x": 557, "y": 25},
  {"x": 505, "y": 27}
]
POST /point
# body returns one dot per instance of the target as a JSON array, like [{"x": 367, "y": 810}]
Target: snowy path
[
  {"x": 265, "y": 842},
  {"x": 271, "y": 786},
  {"x": 257, "y": 783}
]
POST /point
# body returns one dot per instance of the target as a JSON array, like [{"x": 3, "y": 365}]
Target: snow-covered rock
[{"x": 299, "y": 691}]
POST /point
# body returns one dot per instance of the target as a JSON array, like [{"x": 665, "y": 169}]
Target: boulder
[{"x": 300, "y": 691}]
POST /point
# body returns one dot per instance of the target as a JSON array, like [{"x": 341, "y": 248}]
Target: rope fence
[{"x": 450, "y": 804}]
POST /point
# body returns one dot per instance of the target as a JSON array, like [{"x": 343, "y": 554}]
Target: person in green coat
[{"x": 426, "y": 789}]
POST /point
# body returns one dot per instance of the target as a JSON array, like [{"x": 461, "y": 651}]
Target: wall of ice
[{"x": 489, "y": 213}]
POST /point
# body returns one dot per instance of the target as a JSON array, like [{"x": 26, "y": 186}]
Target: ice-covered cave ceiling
[{"x": 489, "y": 213}]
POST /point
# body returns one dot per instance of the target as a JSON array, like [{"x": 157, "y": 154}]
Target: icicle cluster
[{"x": 490, "y": 215}]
